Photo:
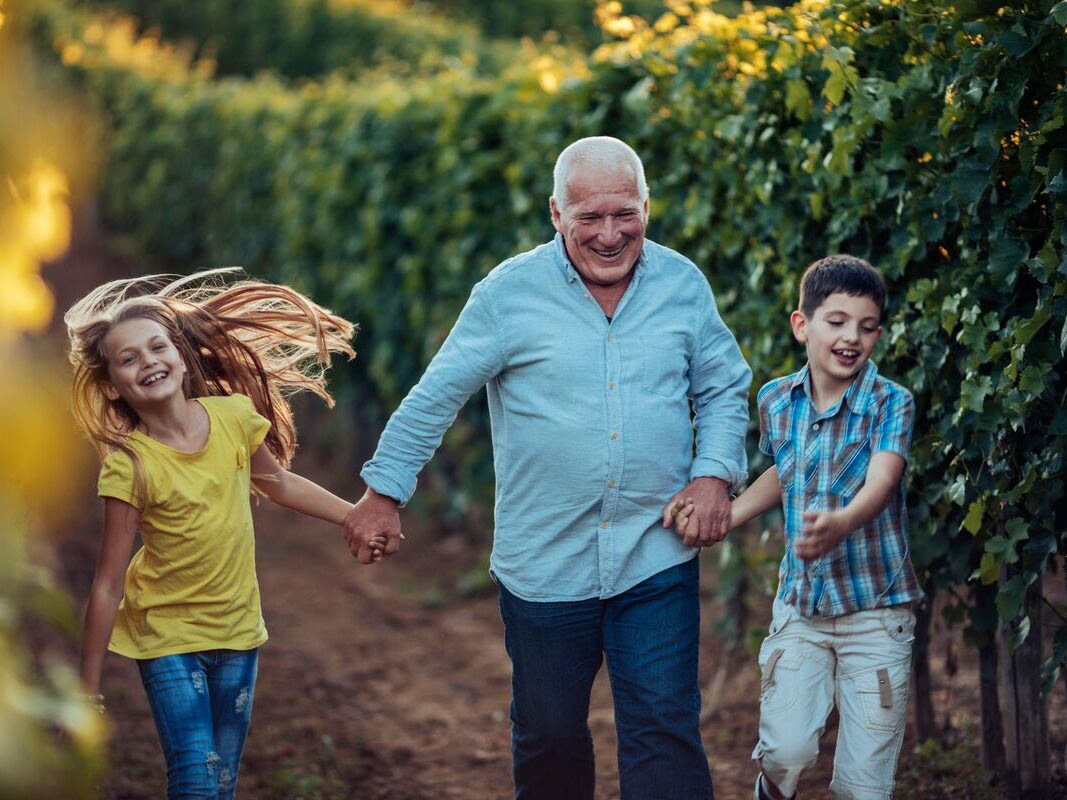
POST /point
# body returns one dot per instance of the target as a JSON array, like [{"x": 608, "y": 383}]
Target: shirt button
[
  {"x": 611, "y": 385},
  {"x": 611, "y": 484},
  {"x": 614, "y": 435},
  {"x": 611, "y": 338},
  {"x": 603, "y": 524},
  {"x": 815, "y": 427}
]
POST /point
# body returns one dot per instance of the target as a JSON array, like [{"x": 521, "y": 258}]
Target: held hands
[
  {"x": 821, "y": 533},
  {"x": 700, "y": 513},
  {"x": 372, "y": 528}
]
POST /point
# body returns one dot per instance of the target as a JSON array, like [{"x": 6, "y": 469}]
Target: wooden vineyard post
[{"x": 1024, "y": 708}]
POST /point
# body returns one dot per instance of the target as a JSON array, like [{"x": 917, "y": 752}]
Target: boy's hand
[
  {"x": 822, "y": 531},
  {"x": 677, "y": 513},
  {"x": 710, "y": 515}
]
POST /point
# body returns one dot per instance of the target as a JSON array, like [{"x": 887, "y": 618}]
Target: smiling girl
[{"x": 183, "y": 386}]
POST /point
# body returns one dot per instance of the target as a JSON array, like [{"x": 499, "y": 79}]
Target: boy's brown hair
[{"x": 840, "y": 273}]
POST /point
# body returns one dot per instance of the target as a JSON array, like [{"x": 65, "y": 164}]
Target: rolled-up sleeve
[
  {"x": 472, "y": 355},
  {"x": 719, "y": 381}
]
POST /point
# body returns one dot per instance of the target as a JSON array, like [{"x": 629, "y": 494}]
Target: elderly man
[{"x": 602, "y": 353}]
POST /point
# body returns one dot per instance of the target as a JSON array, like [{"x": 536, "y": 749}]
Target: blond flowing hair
[{"x": 259, "y": 339}]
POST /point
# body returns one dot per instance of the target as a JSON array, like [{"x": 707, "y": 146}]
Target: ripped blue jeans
[{"x": 202, "y": 705}]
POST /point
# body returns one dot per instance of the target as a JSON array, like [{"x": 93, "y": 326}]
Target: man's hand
[
  {"x": 709, "y": 519},
  {"x": 822, "y": 532},
  {"x": 373, "y": 517}
]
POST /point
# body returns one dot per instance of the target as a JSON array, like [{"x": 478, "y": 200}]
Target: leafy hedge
[
  {"x": 928, "y": 139},
  {"x": 304, "y": 38}
]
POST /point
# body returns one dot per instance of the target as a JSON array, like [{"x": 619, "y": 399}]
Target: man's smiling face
[{"x": 602, "y": 222}]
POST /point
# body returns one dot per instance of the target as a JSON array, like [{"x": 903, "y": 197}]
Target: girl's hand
[
  {"x": 822, "y": 532},
  {"x": 373, "y": 551}
]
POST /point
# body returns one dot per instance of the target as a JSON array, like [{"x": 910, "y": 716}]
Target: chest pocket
[
  {"x": 664, "y": 364},
  {"x": 785, "y": 462},
  {"x": 849, "y": 469}
]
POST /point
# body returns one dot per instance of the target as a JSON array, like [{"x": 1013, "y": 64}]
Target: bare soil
[{"x": 385, "y": 682}]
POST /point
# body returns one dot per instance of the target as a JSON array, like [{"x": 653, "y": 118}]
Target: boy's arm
[
  {"x": 824, "y": 529},
  {"x": 764, "y": 494},
  {"x": 296, "y": 492},
  {"x": 121, "y": 521}
]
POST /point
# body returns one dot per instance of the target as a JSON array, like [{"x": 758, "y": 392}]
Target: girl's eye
[{"x": 835, "y": 322}]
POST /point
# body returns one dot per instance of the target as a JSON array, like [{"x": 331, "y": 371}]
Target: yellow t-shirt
[{"x": 192, "y": 586}]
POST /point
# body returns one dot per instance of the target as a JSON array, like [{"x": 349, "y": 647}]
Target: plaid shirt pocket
[
  {"x": 785, "y": 461},
  {"x": 849, "y": 469}
]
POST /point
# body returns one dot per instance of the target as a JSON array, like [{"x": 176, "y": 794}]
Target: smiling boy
[{"x": 842, "y": 627}]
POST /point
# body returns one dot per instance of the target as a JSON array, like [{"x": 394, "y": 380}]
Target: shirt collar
[{"x": 858, "y": 396}]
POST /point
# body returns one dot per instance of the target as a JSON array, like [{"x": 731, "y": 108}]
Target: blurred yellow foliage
[
  {"x": 35, "y": 227},
  {"x": 743, "y": 39},
  {"x": 112, "y": 40},
  {"x": 39, "y": 456}
]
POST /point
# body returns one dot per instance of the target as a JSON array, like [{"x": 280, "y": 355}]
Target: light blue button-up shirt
[{"x": 593, "y": 421}]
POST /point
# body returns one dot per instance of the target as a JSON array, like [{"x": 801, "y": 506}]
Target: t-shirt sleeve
[
  {"x": 255, "y": 426},
  {"x": 894, "y": 423},
  {"x": 117, "y": 479}
]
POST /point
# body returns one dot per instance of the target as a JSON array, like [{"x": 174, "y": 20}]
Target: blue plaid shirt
[
  {"x": 822, "y": 462},
  {"x": 595, "y": 422}
]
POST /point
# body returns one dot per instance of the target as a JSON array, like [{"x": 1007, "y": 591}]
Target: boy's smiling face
[{"x": 839, "y": 336}]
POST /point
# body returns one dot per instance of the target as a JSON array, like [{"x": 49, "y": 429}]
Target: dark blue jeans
[
  {"x": 650, "y": 638},
  {"x": 202, "y": 705}
]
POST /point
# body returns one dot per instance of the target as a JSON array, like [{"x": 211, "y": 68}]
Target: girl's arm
[
  {"x": 763, "y": 495},
  {"x": 295, "y": 491},
  {"x": 121, "y": 521},
  {"x": 298, "y": 493}
]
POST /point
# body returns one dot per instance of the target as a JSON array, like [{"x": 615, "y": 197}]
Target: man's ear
[
  {"x": 557, "y": 217},
  {"x": 110, "y": 392},
  {"x": 799, "y": 323}
]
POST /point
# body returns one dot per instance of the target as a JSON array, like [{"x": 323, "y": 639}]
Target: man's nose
[{"x": 609, "y": 230}]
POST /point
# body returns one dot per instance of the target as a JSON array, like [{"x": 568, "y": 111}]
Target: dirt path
[
  {"x": 367, "y": 690},
  {"x": 382, "y": 683}
]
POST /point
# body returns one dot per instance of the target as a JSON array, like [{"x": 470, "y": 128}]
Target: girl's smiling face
[
  {"x": 839, "y": 336},
  {"x": 144, "y": 367}
]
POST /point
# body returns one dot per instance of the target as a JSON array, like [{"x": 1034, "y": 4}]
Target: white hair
[{"x": 603, "y": 152}]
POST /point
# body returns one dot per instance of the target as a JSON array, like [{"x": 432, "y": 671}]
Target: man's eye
[{"x": 835, "y": 322}]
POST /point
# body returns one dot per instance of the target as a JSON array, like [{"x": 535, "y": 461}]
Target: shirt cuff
[
  {"x": 734, "y": 475},
  {"x": 387, "y": 485}
]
